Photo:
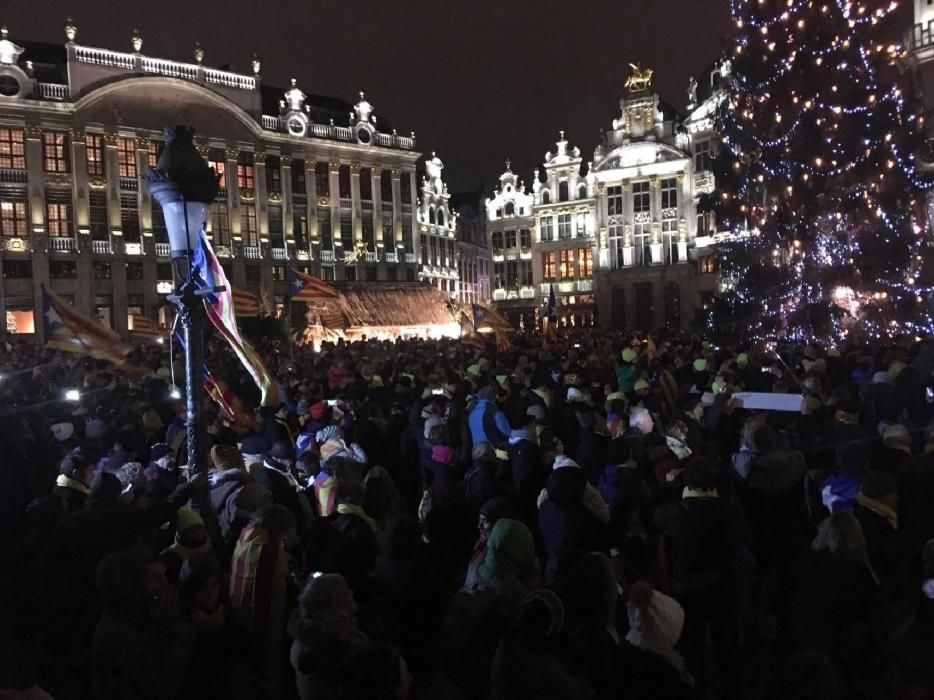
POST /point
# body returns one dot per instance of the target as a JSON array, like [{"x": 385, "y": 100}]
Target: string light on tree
[{"x": 818, "y": 138}]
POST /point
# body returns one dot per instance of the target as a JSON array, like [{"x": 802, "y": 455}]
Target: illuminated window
[
  {"x": 59, "y": 214},
  {"x": 13, "y": 215},
  {"x": 20, "y": 321},
  {"x": 585, "y": 261},
  {"x": 581, "y": 225},
  {"x": 278, "y": 273},
  {"x": 94, "y": 146},
  {"x": 55, "y": 157},
  {"x": 153, "y": 153},
  {"x": 248, "y": 225},
  {"x": 245, "y": 171},
  {"x": 220, "y": 223},
  {"x": 549, "y": 261},
  {"x": 707, "y": 265},
  {"x": 218, "y": 160},
  {"x": 126, "y": 157},
  {"x": 12, "y": 150},
  {"x": 566, "y": 266}
]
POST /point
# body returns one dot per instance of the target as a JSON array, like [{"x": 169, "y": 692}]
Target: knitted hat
[
  {"x": 700, "y": 364},
  {"x": 616, "y": 396},
  {"x": 328, "y": 433},
  {"x": 655, "y": 620},
  {"x": 629, "y": 355},
  {"x": 896, "y": 368},
  {"x": 897, "y": 436},
  {"x": 473, "y": 370},
  {"x": 742, "y": 359},
  {"x": 186, "y": 519},
  {"x": 225, "y": 457},
  {"x": 486, "y": 393},
  {"x": 641, "y": 385},
  {"x": 63, "y": 431},
  {"x": 159, "y": 451}
]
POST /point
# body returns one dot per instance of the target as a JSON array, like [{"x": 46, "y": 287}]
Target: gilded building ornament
[
  {"x": 97, "y": 183},
  {"x": 324, "y": 201},
  {"x": 232, "y": 153},
  {"x": 77, "y": 136},
  {"x": 355, "y": 168},
  {"x": 16, "y": 245},
  {"x": 142, "y": 143},
  {"x": 275, "y": 197},
  {"x": 33, "y": 131},
  {"x": 247, "y": 194},
  {"x": 259, "y": 158},
  {"x": 203, "y": 149},
  {"x": 680, "y": 178},
  {"x": 377, "y": 172},
  {"x": 639, "y": 78},
  {"x": 334, "y": 166},
  {"x": 58, "y": 179},
  {"x": 110, "y": 139},
  {"x": 396, "y": 173},
  {"x": 71, "y": 29}
]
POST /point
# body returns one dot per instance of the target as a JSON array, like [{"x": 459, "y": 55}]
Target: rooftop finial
[
  {"x": 71, "y": 29},
  {"x": 508, "y": 165},
  {"x": 362, "y": 96},
  {"x": 292, "y": 80},
  {"x": 561, "y": 132},
  {"x": 256, "y": 64},
  {"x": 3, "y": 31},
  {"x": 136, "y": 41},
  {"x": 199, "y": 53}
]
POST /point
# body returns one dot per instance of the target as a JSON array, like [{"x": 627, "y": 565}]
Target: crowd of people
[{"x": 596, "y": 516}]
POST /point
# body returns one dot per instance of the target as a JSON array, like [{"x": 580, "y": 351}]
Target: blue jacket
[{"x": 477, "y": 430}]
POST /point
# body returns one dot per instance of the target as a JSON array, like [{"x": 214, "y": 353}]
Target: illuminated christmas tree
[{"x": 818, "y": 177}]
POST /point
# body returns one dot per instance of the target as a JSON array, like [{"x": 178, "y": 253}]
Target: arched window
[
  {"x": 582, "y": 192},
  {"x": 563, "y": 194},
  {"x": 442, "y": 217},
  {"x": 510, "y": 209},
  {"x": 431, "y": 216},
  {"x": 546, "y": 197}
]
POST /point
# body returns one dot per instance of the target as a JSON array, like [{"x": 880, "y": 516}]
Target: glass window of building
[
  {"x": 13, "y": 211},
  {"x": 274, "y": 216},
  {"x": 322, "y": 179},
  {"x": 547, "y": 228},
  {"x": 12, "y": 149},
  {"x": 703, "y": 158},
  {"x": 614, "y": 201},
  {"x": 220, "y": 223},
  {"x": 129, "y": 216},
  {"x": 55, "y": 156},
  {"x": 350, "y": 274},
  {"x": 512, "y": 274},
  {"x": 94, "y": 147},
  {"x": 324, "y": 227},
  {"x": 343, "y": 181},
  {"x": 58, "y": 211},
  {"x": 366, "y": 183},
  {"x": 496, "y": 240},
  {"x": 510, "y": 239},
  {"x": 126, "y": 157},
  {"x": 102, "y": 270},
  {"x": 218, "y": 160},
  {"x": 97, "y": 215},
  {"x": 246, "y": 171},
  {"x": 278, "y": 273},
  {"x": 63, "y": 269},
  {"x": 248, "y": 225},
  {"x": 564, "y": 227},
  {"x": 298, "y": 177},
  {"x": 134, "y": 271},
  {"x": 669, "y": 191},
  {"x": 385, "y": 186},
  {"x": 549, "y": 266},
  {"x": 273, "y": 174},
  {"x": 525, "y": 239},
  {"x": 253, "y": 273},
  {"x": 585, "y": 261},
  {"x": 525, "y": 273},
  {"x": 371, "y": 274},
  {"x": 406, "y": 187},
  {"x": 346, "y": 230},
  {"x": 563, "y": 191},
  {"x": 327, "y": 273},
  {"x": 566, "y": 265},
  {"x": 153, "y": 153}
]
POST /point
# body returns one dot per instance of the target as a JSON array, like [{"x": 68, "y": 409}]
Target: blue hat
[{"x": 254, "y": 445}]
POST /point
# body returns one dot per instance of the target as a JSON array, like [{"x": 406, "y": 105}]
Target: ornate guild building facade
[
  {"x": 620, "y": 238},
  {"x": 311, "y": 182}
]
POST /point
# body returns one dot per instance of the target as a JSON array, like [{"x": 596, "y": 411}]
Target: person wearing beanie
[
  {"x": 324, "y": 635},
  {"x": 227, "y": 478},
  {"x": 877, "y": 512},
  {"x": 68, "y": 495},
  {"x": 191, "y": 541},
  {"x": 895, "y": 451},
  {"x": 276, "y": 426},
  {"x": 253, "y": 449},
  {"x": 278, "y": 476},
  {"x": 487, "y": 422},
  {"x": 62, "y": 432},
  {"x": 655, "y": 625}
]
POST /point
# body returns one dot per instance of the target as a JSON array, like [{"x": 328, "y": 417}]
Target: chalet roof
[{"x": 392, "y": 304}]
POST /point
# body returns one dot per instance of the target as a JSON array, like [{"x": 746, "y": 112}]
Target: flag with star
[
  {"x": 488, "y": 318},
  {"x": 304, "y": 287},
  {"x": 68, "y": 330}
]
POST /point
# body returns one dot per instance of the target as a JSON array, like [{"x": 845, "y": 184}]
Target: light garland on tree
[{"x": 821, "y": 150}]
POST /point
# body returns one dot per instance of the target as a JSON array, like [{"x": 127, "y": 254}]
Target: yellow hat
[
  {"x": 629, "y": 355},
  {"x": 186, "y": 519},
  {"x": 640, "y": 385},
  {"x": 742, "y": 359},
  {"x": 700, "y": 364}
]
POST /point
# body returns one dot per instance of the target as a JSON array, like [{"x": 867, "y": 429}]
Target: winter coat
[
  {"x": 618, "y": 482},
  {"x": 480, "y": 483},
  {"x": 488, "y": 424},
  {"x": 626, "y": 376},
  {"x": 318, "y": 659},
  {"x": 277, "y": 430},
  {"x": 223, "y": 490},
  {"x": 283, "y": 490},
  {"x": 352, "y": 547},
  {"x": 565, "y": 521},
  {"x": 592, "y": 499},
  {"x": 882, "y": 548},
  {"x": 776, "y": 472}
]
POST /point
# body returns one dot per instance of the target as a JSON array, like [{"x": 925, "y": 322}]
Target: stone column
[
  {"x": 38, "y": 233},
  {"x": 628, "y": 217},
  {"x": 79, "y": 169},
  {"x": 377, "y": 190},
  {"x": 356, "y": 207},
  {"x": 145, "y": 200},
  {"x": 233, "y": 215},
  {"x": 685, "y": 213},
  {"x": 118, "y": 299},
  {"x": 416, "y": 242},
  {"x": 285, "y": 178},
  {"x": 334, "y": 168},
  {"x": 261, "y": 201},
  {"x": 311, "y": 195},
  {"x": 397, "y": 211},
  {"x": 112, "y": 173},
  {"x": 656, "y": 203}
]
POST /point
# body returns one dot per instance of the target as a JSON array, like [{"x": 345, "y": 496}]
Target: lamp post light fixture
[{"x": 184, "y": 186}]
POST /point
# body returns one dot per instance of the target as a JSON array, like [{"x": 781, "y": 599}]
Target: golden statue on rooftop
[{"x": 640, "y": 78}]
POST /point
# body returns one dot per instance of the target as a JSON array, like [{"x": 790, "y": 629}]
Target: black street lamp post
[{"x": 184, "y": 185}]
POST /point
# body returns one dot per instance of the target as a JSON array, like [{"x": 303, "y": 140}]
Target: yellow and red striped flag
[
  {"x": 304, "y": 287},
  {"x": 70, "y": 331},
  {"x": 246, "y": 305},
  {"x": 145, "y": 327},
  {"x": 488, "y": 318}
]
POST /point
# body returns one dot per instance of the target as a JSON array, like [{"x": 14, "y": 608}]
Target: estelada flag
[
  {"x": 220, "y": 310},
  {"x": 68, "y": 330},
  {"x": 145, "y": 327},
  {"x": 229, "y": 402},
  {"x": 246, "y": 305},
  {"x": 304, "y": 287},
  {"x": 488, "y": 318}
]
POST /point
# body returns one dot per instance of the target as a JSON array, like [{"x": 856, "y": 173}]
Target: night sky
[{"x": 477, "y": 81}]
